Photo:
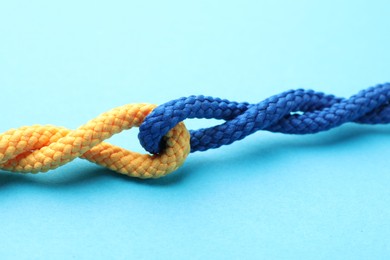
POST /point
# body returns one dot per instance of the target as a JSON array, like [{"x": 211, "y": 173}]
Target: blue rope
[{"x": 292, "y": 112}]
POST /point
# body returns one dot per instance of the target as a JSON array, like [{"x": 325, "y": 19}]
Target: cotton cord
[
  {"x": 32, "y": 149},
  {"x": 292, "y": 112},
  {"x": 42, "y": 148}
]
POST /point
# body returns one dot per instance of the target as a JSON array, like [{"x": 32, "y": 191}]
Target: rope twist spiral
[
  {"x": 291, "y": 112},
  {"x": 163, "y": 134},
  {"x": 42, "y": 148}
]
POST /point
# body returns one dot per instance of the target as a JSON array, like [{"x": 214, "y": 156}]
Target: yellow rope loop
[{"x": 42, "y": 148}]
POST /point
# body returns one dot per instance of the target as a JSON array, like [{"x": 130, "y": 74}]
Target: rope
[
  {"x": 42, "y": 148},
  {"x": 291, "y": 112}
]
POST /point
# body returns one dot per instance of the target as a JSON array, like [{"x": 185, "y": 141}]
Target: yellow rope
[{"x": 42, "y": 148}]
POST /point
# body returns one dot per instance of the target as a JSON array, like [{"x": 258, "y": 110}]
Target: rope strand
[
  {"x": 291, "y": 112},
  {"x": 162, "y": 133},
  {"x": 42, "y": 148}
]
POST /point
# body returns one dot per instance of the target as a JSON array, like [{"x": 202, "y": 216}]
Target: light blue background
[{"x": 273, "y": 196}]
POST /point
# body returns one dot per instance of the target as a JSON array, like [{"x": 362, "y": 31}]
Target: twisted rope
[
  {"x": 42, "y": 148},
  {"x": 291, "y": 112}
]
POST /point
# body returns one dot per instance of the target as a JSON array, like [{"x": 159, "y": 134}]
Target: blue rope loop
[{"x": 292, "y": 112}]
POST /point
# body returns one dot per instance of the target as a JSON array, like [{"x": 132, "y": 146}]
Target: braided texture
[
  {"x": 42, "y": 148},
  {"x": 162, "y": 133},
  {"x": 291, "y": 112}
]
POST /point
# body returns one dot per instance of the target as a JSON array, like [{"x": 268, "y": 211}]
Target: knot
[
  {"x": 292, "y": 112},
  {"x": 42, "y": 148}
]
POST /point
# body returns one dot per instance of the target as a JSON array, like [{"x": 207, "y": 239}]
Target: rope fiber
[
  {"x": 42, "y": 148},
  {"x": 32, "y": 149},
  {"x": 291, "y": 112}
]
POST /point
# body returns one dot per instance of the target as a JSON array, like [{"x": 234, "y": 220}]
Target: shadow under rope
[{"x": 255, "y": 153}]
